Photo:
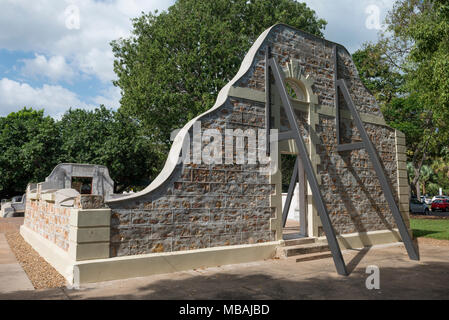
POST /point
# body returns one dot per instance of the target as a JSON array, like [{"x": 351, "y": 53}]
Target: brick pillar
[
  {"x": 89, "y": 234},
  {"x": 403, "y": 186},
  {"x": 314, "y": 221}
]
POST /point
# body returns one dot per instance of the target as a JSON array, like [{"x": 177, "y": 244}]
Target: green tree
[
  {"x": 107, "y": 138},
  {"x": 174, "y": 64},
  {"x": 420, "y": 45},
  {"x": 378, "y": 74},
  {"x": 414, "y": 48},
  {"x": 29, "y": 150},
  {"x": 425, "y": 176}
]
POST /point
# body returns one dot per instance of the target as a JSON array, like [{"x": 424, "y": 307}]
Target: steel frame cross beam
[
  {"x": 369, "y": 147},
  {"x": 310, "y": 174}
]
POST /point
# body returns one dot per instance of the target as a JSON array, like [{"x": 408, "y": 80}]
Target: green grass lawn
[{"x": 436, "y": 229}]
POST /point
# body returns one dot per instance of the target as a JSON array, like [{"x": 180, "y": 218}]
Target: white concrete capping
[
  {"x": 365, "y": 239},
  {"x": 88, "y": 251},
  {"x": 160, "y": 263},
  {"x": 90, "y": 218},
  {"x": 51, "y": 253},
  {"x": 49, "y": 197},
  {"x": 33, "y": 196},
  {"x": 88, "y": 235}
]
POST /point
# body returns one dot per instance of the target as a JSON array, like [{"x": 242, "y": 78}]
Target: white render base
[
  {"x": 365, "y": 239},
  {"x": 144, "y": 265},
  {"x": 159, "y": 263},
  {"x": 51, "y": 253}
]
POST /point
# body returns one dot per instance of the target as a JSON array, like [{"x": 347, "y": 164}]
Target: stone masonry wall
[
  {"x": 201, "y": 206},
  {"x": 49, "y": 221},
  {"x": 348, "y": 181}
]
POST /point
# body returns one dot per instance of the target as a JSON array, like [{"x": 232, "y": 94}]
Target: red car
[{"x": 440, "y": 204}]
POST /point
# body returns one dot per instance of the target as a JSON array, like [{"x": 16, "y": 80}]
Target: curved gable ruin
[{"x": 204, "y": 214}]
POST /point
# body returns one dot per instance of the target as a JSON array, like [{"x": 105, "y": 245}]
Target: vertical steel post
[{"x": 321, "y": 207}]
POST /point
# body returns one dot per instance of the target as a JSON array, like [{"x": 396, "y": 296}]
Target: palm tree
[
  {"x": 426, "y": 174},
  {"x": 441, "y": 165}
]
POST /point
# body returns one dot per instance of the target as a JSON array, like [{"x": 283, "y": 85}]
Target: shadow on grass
[{"x": 417, "y": 233}]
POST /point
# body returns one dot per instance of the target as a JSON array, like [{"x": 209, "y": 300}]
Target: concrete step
[
  {"x": 299, "y": 241},
  {"x": 296, "y": 250},
  {"x": 314, "y": 256}
]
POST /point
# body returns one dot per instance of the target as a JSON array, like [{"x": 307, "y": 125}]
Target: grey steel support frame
[
  {"x": 310, "y": 174},
  {"x": 369, "y": 147}
]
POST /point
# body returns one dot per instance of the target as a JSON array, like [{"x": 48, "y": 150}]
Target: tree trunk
[{"x": 418, "y": 190}]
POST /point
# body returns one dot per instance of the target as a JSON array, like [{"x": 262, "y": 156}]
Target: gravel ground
[{"x": 41, "y": 274}]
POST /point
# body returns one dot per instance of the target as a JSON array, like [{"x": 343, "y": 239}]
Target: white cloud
[
  {"x": 55, "y": 68},
  {"x": 347, "y": 20},
  {"x": 110, "y": 98},
  {"x": 43, "y": 26},
  {"x": 53, "y": 98}
]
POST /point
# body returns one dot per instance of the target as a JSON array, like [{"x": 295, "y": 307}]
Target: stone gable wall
[
  {"x": 202, "y": 206},
  {"x": 349, "y": 184}
]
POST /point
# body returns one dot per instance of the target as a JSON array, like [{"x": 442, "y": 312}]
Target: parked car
[
  {"x": 440, "y": 205},
  {"x": 428, "y": 200},
  {"x": 439, "y": 198},
  {"x": 417, "y": 206}
]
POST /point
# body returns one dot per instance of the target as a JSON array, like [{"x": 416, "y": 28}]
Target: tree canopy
[
  {"x": 174, "y": 64},
  {"x": 31, "y": 145},
  {"x": 408, "y": 71},
  {"x": 29, "y": 149},
  {"x": 108, "y": 138}
]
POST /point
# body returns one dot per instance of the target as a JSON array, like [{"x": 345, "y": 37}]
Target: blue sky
[{"x": 55, "y": 54}]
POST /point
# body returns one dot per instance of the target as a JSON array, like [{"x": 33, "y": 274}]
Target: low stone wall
[
  {"x": 52, "y": 221},
  {"x": 49, "y": 221}
]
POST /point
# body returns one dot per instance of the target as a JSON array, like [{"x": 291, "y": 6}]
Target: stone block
[
  {"x": 86, "y": 235},
  {"x": 90, "y": 218},
  {"x": 88, "y": 251}
]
